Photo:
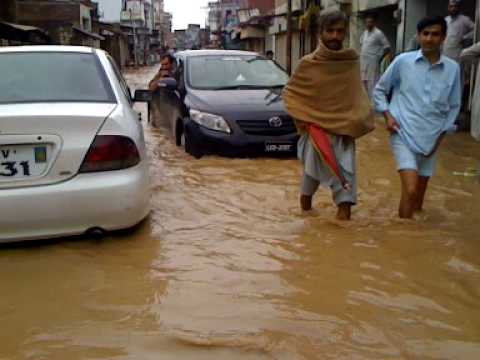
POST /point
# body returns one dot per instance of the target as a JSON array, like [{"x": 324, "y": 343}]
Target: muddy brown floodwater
[{"x": 226, "y": 267}]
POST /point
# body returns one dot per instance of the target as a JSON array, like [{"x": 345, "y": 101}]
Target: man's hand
[
  {"x": 392, "y": 125},
  {"x": 387, "y": 55},
  {"x": 153, "y": 84}
]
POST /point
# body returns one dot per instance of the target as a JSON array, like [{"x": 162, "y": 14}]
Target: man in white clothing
[
  {"x": 472, "y": 56},
  {"x": 460, "y": 30},
  {"x": 374, "y": 47}
]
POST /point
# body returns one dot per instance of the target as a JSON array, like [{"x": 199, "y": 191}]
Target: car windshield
[
  {"x": 234, "y": 72},
  {"x": 52, "y": 77}
]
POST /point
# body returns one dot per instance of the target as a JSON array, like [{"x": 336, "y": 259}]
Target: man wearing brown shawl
[{"x": 325, "y": 96}]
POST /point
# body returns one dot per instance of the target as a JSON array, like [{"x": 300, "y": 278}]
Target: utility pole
[{"x": 289, "y": 37}]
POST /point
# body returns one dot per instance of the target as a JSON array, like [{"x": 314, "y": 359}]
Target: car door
[
  {"x": 178, "y": 97},
  {"x": 168, "y": 105}
]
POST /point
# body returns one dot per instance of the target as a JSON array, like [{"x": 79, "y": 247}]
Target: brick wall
[{"x": 39, "y": 13}]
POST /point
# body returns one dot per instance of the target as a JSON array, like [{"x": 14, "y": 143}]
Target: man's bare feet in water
[
  {"x": 344, "y": 212},
  {"x": 306, "y": 202}
]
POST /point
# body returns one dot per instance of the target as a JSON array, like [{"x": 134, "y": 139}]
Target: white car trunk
[{"x": 46, "y": 143}]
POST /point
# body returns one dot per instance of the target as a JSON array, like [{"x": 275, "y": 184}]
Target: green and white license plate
[{"x": 22, "y": 161}]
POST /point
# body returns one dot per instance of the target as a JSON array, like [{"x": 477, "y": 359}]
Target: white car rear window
[{"x": 53, "y": 77}]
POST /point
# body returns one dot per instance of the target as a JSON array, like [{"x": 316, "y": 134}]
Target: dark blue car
[{"x": 226, "y": 103}]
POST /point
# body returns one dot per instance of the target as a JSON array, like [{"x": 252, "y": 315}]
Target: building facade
[
  {"x": 67, "y": 22},
  {"x": 304, "y": 29},
  {"x": 163, "y": 22},
  {"x": 254, "y": 24},
  {"x": 223, "y": 22}
]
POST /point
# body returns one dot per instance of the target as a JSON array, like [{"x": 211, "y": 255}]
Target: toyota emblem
[{"x": 275, "y": 122}]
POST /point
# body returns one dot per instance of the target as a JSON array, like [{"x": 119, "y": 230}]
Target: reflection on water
[{"x": 227, "y": 267}]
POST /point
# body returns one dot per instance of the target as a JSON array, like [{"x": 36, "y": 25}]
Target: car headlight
[{"x": 210, "y": 121}]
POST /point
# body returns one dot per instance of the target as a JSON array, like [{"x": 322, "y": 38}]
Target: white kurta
[
  {"x": 460, "y": 28},
  {"x": 469, "y": 55},
  {"x": 373, "y": 43},
  {"x": 314, "y": 166}
]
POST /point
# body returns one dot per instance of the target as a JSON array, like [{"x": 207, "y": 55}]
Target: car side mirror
[
  {"x": 142, "y": 96},
  {"x": 169, "y": 84}
]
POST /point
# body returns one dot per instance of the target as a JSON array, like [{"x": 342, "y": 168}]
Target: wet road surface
[{"x": 227, "y": 267}]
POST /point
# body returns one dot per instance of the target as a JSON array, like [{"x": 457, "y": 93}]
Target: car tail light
[{"x": 109, "y": 152}]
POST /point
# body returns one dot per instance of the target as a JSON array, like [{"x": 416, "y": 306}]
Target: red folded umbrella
[{"x": 322, "y": 144}]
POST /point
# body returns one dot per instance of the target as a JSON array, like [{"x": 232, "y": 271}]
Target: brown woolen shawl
[{"x": 326, "y": 90}]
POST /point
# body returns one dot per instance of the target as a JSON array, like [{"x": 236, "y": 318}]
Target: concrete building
[
  {"x": 180, "y": 39},
  {"x": 12, "y": 33},
  {"x": 278, "y": 30},
  {"x": 204, "y": 38},
  {"x": 145, "y": 24},
  {"x": 115, "y": 40},
  {"x": 109, "y": 10},
  {"x": 8, "y": 11},
  {"x": 163, "y": 22},
  {"x": 67, "y": 22},
  {"x": 223, "y": 22},
  {"x": 192, "y": 36},
  {"x": 136, "y": 19},
  {"x": 115, "y": 43},
  {"x": 254, "y": 23}
]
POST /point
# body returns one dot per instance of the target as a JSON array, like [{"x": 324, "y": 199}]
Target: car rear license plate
[
  {"x": 22, "y": 161},
  {"x": 278, "y": 146}
]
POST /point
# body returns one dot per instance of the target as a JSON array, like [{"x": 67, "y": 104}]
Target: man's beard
[{"x": 333, "y": 44}]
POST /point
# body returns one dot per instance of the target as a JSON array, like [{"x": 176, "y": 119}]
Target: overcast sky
[{"x": 187, "y": 12}]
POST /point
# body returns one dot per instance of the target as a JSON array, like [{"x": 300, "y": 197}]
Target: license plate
[
  {"x": 278, "y": 147},
  {"x": 22, "y": 161}
]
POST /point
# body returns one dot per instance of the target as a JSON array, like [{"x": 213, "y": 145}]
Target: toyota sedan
[
  {"x": 72, "y": 151},
  {"x": 225, "y": 102}
]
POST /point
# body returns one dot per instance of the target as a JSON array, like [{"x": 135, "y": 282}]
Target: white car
[{"x": 72, "y": 149}]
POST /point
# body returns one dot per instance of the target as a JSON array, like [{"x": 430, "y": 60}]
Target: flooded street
[{"x": 227, "y": 267}]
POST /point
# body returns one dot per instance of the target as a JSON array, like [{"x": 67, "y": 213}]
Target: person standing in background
[
  {"x": 460, "y": 31},
  {"x": 374, "y": 47},
  {"x": 467, "y": 57}
]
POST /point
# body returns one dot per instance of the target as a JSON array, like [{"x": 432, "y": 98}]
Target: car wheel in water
[
  {"x": 190, "y": 147},
  {"x": 179, "y": 134}
]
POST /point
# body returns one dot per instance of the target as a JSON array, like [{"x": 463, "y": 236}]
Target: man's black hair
[
  {"x": 429, "y": 21},
  {"x": 372, "y": 15},
  {"x": 169, "y": 57}
]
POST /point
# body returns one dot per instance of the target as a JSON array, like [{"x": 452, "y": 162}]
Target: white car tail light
[{"x": 110, "y": 152}]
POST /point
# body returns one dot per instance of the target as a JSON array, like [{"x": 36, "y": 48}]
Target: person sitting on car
[{"x": 166, "y": 70}]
